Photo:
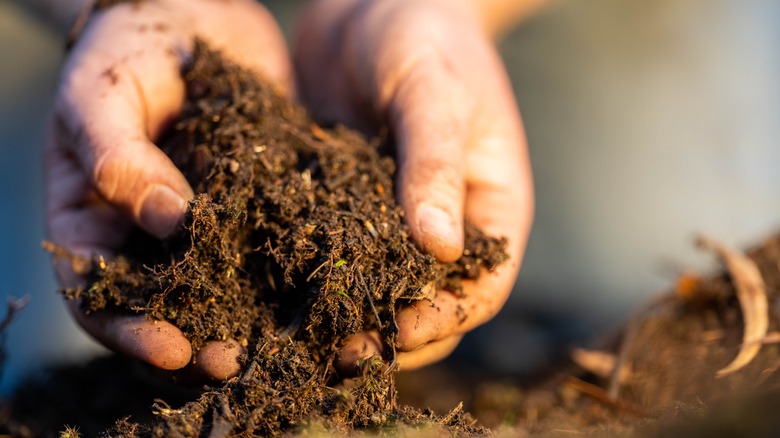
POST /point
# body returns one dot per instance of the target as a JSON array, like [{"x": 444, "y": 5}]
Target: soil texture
[{"x": 293, "y": 242}]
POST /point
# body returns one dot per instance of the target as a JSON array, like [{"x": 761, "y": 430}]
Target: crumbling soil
[
  {"x": 293, "y": 242},
  {"x": 672, "y": 350}
]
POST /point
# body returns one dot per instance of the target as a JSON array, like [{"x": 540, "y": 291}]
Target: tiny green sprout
[
  {"x": 340, "y": 263},
  {"x": 344, "y": 294}
]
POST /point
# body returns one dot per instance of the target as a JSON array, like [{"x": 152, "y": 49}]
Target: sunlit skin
[{"x": 425, "y": 68}]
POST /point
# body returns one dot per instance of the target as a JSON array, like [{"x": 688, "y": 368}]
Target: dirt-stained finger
[
  {"x": 362, "y": 346},
  {"x": 219, "y": 360},
  {"x": 357, "y": 347},
  {"x": 115, "y": 96},
  {"x": 431, "y": 122},
  {"x": 158, "y": 343},
  {"x": 424, "y": 321}
]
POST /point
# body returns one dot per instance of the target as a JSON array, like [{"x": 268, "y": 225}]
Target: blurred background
[{"x": 648, "y": 122}]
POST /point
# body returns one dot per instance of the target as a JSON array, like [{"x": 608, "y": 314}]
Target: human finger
[
  {"x": 431, "y": 124},
  {"x": 87, "y": 226},
  {"x": 448, "y": 314},
  {"x": 252, "y": 39},
  {"x": 158, "y": 343},
  {"x": 357, "y": 348},
  {"x": 119, "y": 93},
  {"x": 219, "y": 360},
  {"x": 500, "y": 202},
  {"x": 110, "y": 103},
  {"x": 325, "y": 87},
  {"x": 362, "y": 346}
]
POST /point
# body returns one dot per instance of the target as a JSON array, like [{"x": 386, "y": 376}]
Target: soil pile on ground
[
  {"x": 677, "y": 368},
  {"x": 293, "y": 242}
]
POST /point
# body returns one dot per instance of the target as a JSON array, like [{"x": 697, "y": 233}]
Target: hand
[
  {"x": 428, "y": 70},
  {"x": 120, "y": 87}
]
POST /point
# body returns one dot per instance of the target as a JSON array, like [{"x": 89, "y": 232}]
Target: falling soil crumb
[{"x": 293, "y": 242}]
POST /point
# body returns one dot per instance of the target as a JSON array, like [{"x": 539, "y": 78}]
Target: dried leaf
[{"x": 751, "y": 292}]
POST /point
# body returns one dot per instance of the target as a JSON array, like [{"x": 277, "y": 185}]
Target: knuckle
[
  {"x": 434, "y": 177},
  {"x": 490, "y": 305},
  {"x": 432, "y": 73},
  {"x": 108, "y": 171}
]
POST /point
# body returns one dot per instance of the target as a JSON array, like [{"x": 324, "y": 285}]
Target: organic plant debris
[
  {"x": 293, "y": 242},
  {"x": 662, "y": 377}
]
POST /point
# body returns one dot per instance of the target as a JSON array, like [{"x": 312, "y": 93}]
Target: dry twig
[
  {"x": 600, "y": 363},
  {"x": 602, "y": 397},
  {"x": 751, "y": 292}
]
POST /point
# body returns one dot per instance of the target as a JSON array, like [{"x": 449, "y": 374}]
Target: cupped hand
[
  {"x": 429, "y": 71},
  {"x": 120, "y": 87}
]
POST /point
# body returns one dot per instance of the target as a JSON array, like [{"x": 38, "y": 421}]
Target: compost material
[
  {"x": 660, "y": 376},
  {"x": 293, "y": 242}
]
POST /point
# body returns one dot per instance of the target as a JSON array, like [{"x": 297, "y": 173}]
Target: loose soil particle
[{"x": 293, "y": 242}]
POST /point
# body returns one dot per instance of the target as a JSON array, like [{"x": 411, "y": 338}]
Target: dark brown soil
[
  {"x": 293, "y": 242},
  {"x": 673, "y": 350}
]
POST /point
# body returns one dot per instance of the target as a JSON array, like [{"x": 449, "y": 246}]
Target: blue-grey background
[{"x": 647, "y": 122}]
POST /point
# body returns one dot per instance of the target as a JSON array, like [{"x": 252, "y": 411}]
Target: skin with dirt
[{"x": 293, "y": 242}]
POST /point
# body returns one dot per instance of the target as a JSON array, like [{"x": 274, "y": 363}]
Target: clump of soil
[{"x": 293, "y": 242}]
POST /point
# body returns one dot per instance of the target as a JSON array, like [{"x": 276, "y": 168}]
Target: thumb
[
  {"x": 101, "y": 118},
  {"x": 430, "y": 121}
]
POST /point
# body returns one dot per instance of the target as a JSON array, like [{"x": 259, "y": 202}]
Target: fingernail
[
  {"x": 437, "y": 224},
  {"x": 162, "y": 211}
]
